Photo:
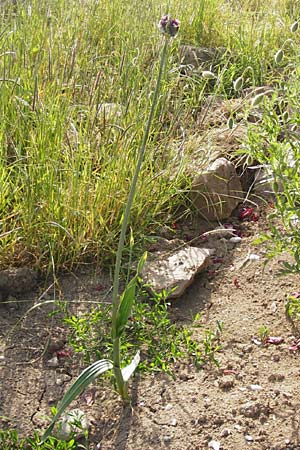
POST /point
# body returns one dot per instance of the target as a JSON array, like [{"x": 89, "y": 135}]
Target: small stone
[
  {"x": 255, "y": 387},
  {"x": 248, "y": 438},
  {"x": 69, "y": 422},
  {"x": 235, "y": 239},
  {"x": 225, "y": 432},
  {"x": 276, "y": 377},
  {"x": 250, "y": 409},
  {"x": 167, "y": 439},
  {"x": 56, "y": 344},
  {"x": 253, "y": 257},
  {"x": 247, "y": 348},
  {"x": 201, "y": 420},
  {"x": 215, "y": 445},
  {"x": 226, "y": 383},
  {"x": 173, "y": 422},
  {"x": 53, "y": 362},
  {"x": 168, "y": 407}
]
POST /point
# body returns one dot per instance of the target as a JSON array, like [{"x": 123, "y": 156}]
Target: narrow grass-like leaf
[
  {"x": 129, "y": 370},
  {"x": 85, "y": 378},
  {"x": 126, "y": 302},
  {"x": 230, "y": 123},
  {"x": 141, "y": 263}
]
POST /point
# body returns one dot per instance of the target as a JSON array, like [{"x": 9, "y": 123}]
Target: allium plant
[
  {"x": 122, "y": 303},
  {"x": 168, "y": 26}
]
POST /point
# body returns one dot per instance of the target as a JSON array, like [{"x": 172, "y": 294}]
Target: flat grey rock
[{"x": 175, "y": 269}]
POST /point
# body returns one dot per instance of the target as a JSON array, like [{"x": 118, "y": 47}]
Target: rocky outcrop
[
  {"x": 198, "y": 58},
  {"x": 216, "y": 192}
]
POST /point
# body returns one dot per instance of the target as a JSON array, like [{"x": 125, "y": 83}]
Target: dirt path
[{"x": 251, "y": 401}]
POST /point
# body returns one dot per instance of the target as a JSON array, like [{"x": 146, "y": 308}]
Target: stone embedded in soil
[
  {"x": 225, "y": 432},
  {"x": 217, "y": 191},
  {"x": 174, "y": 270},
  {"x": 226, "y": 383},
  {"x": 251, "y": 410},
  {"x": 16, "y": 281},
  {"x": 53, "y": 362},
  {"x": 75, "y": 421},
  {"x": 274, "y": 377},
  {"x": 195, "y": 58}
]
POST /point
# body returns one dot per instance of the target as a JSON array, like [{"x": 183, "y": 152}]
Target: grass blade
[{"x": 126, "y": 301}]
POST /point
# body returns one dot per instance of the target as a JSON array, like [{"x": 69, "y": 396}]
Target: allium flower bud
[{"x": 168, "y": 26}]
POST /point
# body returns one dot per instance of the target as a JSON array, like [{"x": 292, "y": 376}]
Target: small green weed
[
  {"x": 211, "y": 343},
  {"x": 292, "y": 307},
  {"x": 150, "y": 329},
  {"x": 9, "y": 440},
  {"x": 264, "y": 333}
]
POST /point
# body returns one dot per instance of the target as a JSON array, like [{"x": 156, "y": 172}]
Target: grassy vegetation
[{"x": 65, "y": 158}]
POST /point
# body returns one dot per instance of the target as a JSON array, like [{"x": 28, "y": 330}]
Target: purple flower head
[{"x": 168, "y": 26}]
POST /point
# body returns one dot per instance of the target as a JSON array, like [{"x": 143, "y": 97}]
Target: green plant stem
[{"x": 121, "y": 386}]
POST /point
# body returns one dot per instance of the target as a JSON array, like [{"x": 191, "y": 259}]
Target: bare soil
[{"x": 251, "y": 400}]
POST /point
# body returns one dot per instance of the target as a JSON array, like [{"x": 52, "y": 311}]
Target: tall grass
[{"x": 65, "y": 160}]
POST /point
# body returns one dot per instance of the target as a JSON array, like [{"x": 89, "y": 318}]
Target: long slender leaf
[
  {"x": 129, "y": 370},
  {"x": 85, "y": 378},
  {"x": 126, "y": 301}
]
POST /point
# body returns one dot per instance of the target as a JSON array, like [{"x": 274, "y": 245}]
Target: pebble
[
  {"x": 235, "y": 239},
  {"x": 226, "y": 383},
  {"x": 248, "y": 438},
  {"x": 68, "y": 424},
  {"x": 173, "y": 422},
  {"x": 226, "y": 432},
  {"x": 255, "y": 387},
  {"x": 167, "y": 439},
  {"x": 215, "y": 445},
  {"x": 63, "y": 378},
  {"x": 53, "y": 362},
  {"x": 168, "y": 406},
  {"x": 250, "y": 409},
  {"x": 56, "y": 344},
  {"x": 253, "y": 257},
  {"x": 276, "y": 377}
]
